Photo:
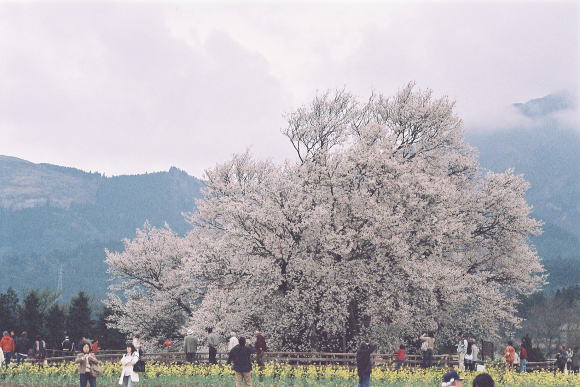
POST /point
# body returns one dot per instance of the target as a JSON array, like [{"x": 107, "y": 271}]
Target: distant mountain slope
[
  {"x": 25, "y": 185},
  {"x": 52, "y": 216},
  {"x": 548, "y": 154},
  {"x": 549, "y": 157}
]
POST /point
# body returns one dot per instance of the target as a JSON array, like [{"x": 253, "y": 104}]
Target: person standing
[
  {"x": 261, "y": 348},
  {"x": 523, "y": 358},
  {"x": 7, "y": 345},
  {"x": 570, "y": 352},
  {"x": 39, "y": 350},
  {"x": 190, "y": 347},
  {"x": 427, "y": 348},
  {"x": 86, "y": 359},
  {"x": 130, "y": 358},
  {"x": 364, "y": 364},
  {"x": 136, "y": 341},
  {"x": 22, "y": 346},
  {"x": 561, "y": 358},
  {"x": 475, "y": 353},
  {"x": 233, "y": 341},
  {"x": 67, "y": 346},
  {"x": 509, "y": 354},
  {"x": 575, "y": 360},
  {"x": 213, "y": 341},
  {"x": 468, "y": 357},
  {"x": 241, "y": 356},
  {"x": 461, "y": 350},
  {"x": 400, "y": 356},
  {"x": 95, "y": 346}
]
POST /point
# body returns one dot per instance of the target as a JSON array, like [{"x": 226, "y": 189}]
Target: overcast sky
[{"x": 141, "y": 86}]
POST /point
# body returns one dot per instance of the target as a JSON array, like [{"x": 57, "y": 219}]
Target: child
[{"x": 401, "y": 355}]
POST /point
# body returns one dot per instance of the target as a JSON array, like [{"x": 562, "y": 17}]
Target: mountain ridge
[{"x": 54, "y": 217}]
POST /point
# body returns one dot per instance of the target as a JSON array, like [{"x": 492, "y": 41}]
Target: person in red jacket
[
  {"x": 401, "y": 355},
  {"x": 510, "y": 355},
  {"x": 7, "y": 345}
]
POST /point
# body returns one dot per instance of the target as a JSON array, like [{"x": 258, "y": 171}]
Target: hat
[{"x": 450, "y": 377}]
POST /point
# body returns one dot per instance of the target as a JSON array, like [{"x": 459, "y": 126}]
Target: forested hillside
[
  {"x": 547, "y": 152},
  {"x": 54, "y": 218}
]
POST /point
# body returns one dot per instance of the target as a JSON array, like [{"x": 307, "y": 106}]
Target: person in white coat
[
  {"x": 233, "y": 341},
  {"x": 128, "y": 376}
]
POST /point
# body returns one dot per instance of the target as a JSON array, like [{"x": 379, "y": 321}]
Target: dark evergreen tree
[
  {"x": 78, "y": 322},
  {"x": 55, "y": 326},
  {"x": 109, "y": 338},
  {"x": 9, "y": 311},
  {"x": 31, "y": 316}
]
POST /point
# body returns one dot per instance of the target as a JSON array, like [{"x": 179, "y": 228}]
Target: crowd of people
[
  {"x": 467, "y": 351},
  {"x": 21, "y": 348},
  {"x": 566, "y": 359},
  {"x": 450, "y": 378},
  {"x": 241, "y": 349}
]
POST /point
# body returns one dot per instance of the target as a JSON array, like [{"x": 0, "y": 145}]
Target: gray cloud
[{"x": 131, "y": 87}]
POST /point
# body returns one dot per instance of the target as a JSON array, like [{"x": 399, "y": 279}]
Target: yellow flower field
[{"x": 274, "y": 374}]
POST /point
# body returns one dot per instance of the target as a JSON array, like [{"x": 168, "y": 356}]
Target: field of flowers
[{"x": 274, "y": 375}]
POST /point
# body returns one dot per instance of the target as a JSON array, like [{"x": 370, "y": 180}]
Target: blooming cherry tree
[
  {"x": 157, "y": 282},
  {"x": 382, "y": 227}
]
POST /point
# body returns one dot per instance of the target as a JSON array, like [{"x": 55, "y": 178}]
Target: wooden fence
[{"x": 296, "y": 358}]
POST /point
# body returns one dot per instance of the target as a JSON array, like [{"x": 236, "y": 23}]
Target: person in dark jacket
[
  {"x": 364, "y": 365},
  {"x": 22, "y": 346},
  {"x": 261, "y": 348},
  {"x": 213, "y": 341},
  {"x": 241, "y": 356},
  {"x": 561, "y": 358},
  {"x": 67, "y": 346}
]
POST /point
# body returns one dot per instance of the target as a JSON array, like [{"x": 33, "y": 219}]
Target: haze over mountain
[
  {"x": 547, "y": 152},
  {"x": 56, "y": 219}
]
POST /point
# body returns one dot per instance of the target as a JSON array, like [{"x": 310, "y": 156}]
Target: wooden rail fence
[{"x": 293, "y": 358}]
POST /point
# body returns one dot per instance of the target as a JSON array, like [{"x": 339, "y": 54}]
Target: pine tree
[
  {"x": 31, "y": 316},
  {"x": 55, "y": 326},
  {"x": 78, "y": 322},
  {"x": 109, "y": 338},
  {"x": 9, "y": 310}
]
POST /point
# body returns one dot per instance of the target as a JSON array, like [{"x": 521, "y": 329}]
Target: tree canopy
[{"x": 383, "y": 226}]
